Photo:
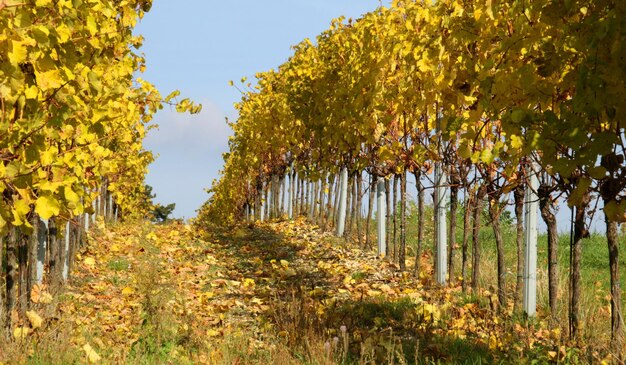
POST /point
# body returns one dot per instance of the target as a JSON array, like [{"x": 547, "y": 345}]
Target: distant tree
[
  {"x": 161, "y": 213},
  {"x": 158, "y": 213}
]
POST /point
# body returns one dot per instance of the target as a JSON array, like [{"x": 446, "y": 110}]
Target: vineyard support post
[
  {"x": 100, "y": 206},
  {"x": 530, "y": 240},
  {"x": 283, "y": 192},
  {"x": 262, "y": 209},
  {"x": 312, "y": 201},
  {"x": 267, "y": 204},
  {"x": 294, "y": 195},
  {"x": 343, "y": 201},
  {"x": 381, "y": 211},
  {"x": 290, "y": 195},
  {"x": 103, "y": 205},
  {"x": 66, "y": 256},
  {"x": 441, "y": 196},
  {"x": 297, "y": 191},
  {"x": 312, "y": 189},
  {"x": 110, "y": 213},
  {"x": 320, "y": 214},
  {"x": 41, "y": 249}
]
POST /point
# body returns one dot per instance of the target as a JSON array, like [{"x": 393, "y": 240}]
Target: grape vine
[{"x": 490, "y": 89}]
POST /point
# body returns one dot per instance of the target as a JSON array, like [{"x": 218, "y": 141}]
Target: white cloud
[
  {"x": 189, "y": 149},
  {"x": 185, "y": 130}
]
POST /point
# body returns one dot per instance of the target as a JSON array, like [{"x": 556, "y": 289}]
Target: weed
[
  {"x": 119, "y": 264},
  {"x": 358, "y": 276}
]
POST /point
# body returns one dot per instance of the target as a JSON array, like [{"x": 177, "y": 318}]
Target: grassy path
[{"x": 279, "y": 293}]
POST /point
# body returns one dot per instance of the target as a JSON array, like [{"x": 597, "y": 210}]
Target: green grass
[
  {"x": 119, "y": 265},
  {"x": 377, "y": 313},
  {"x": 594, "y": 267},
  {"x": 594, "y": 264},
  {"x": 359, "y": 275}
]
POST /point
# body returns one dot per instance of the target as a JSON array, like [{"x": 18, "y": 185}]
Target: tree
[
  {"x": 161, "y": 213},
  {"x": 157, "y": 212}
]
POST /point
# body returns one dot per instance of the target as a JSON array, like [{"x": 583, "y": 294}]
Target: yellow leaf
[
  {"x": 49, "y": 79},
  {"x": 47, "y": 157},
  {"x": 42, "y": 2},
  {"x": 516, "y": 141},
  {"x": 3, "y": 225},
  {"x": 493, "y": 342},
  {"x": 35, "y": 319},
  {"x": 64, "y": 33},
  {"x": 552, "y": 355},
  {"x": 21, "y": 332},
  {"x": 21, "y": 209},
  {"x": 90, "y": 261},
  {"x": 18, "y": 53},
  {"x": 386, "y": 289},
  {"x": 373, "y": 293},
  {"x": 31, "y": 92},
  {"x": 489, "y": 10},
  {"x": 71, "y": 196},
  {"x": 35, "y": 293},
  {"x": 487, "y": 156},
  {"x": 348, "y": 280},
  {"x": 47, "y": 207},
  {"x": 423, "y": 66},
  {"x": 478, "y": 14},
  {"x": 92, "y": 27},
  {"x": 45, "y": 298},
  {"x": 128, "y": 291},
  {"x": 39, "y": 295},
  {"x": 248, "y": 283},
  {"x": 92, "y": 355},
  {"x": 385, "y": 154},
  {"x": 284, "y": 263}
]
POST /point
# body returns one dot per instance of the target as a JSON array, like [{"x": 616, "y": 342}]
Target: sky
[{"x": 197, "y": 46}]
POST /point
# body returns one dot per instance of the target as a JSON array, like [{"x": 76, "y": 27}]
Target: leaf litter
[{"x": 178, "y": 293}]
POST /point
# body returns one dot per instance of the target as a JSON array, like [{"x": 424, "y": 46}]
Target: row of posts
[
  {"x": 441, "y": 197},
  {"x": 107, "y": 208},
  {"x": 441, "y": 240}
]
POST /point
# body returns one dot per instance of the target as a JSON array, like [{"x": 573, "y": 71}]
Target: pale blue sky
[{"x": 197, "y": 46}]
